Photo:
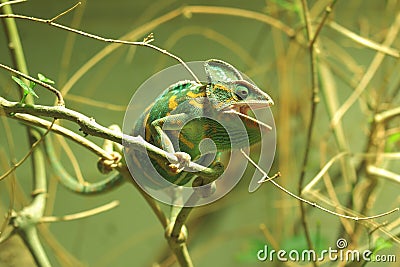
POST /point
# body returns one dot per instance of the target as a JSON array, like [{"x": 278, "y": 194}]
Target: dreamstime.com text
[{"x": 340, "y": 253}]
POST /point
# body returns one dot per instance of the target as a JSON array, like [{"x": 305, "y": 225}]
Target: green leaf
[
  {"x": 381, "y": 244},
  {"x": 21, "y": 83},
  {"x": 45, "y": 79},
  {"x": 27, "y": 89},
  {"x": 32, "y": 84},
  {"x": 287, "y": 5},
  {"x": 393, "y": 138}
]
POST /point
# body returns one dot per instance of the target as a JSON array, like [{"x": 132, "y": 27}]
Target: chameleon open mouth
[{"x": 242, "y": 110}]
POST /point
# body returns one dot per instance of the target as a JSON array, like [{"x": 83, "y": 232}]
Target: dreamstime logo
[
  {"x": 148, "y": 177},
  {"x": 340, "y": 253}
]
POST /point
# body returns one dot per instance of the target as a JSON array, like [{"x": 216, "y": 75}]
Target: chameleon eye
[{"x": 241, "y": 92}]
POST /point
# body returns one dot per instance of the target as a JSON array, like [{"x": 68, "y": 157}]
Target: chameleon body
[{"x": 188, "y": 112}]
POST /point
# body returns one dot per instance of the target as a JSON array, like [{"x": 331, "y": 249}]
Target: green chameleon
[{"x": 188, "y": 112}]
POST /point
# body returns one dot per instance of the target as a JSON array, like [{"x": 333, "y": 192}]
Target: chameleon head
[
  {"x": 229, "y": 92},
  {"x": 239, "y": 97}
]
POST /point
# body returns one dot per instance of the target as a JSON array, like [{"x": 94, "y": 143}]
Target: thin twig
[
  {"x": 9, "y": 213},
  {"x": 80, "y": 215},
  {"x": 239, "y": 12},
  {"x": 33, "y": 147},
  {"x": 215, "y": 36},
  {"x": 364, "y": 41},
  {"x": 323, "y": 171},
  {"x": 373, "y": 170},
  {"x": 64, "y": 13},
  {"x": 313, "y": 203},
  {"x": 99, "y": 38},
  {"x": 387, "y": 115},
  {"x": 327, "y": 12},
  {"x": 72, "y": 158},
  {"x": 12, "y": 2},
  {"x": 33, "y": 120}
]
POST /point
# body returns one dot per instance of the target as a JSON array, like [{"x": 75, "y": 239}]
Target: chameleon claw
[{"x": 182, "y": 163}]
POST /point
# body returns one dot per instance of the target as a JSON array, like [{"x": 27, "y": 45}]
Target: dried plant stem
[
  {"x": 373, "y": 67},
  {"x": 72, "y": 158},
  {"x": 314, "y": 101},
  {"x": 321, "y": 173},
  {"x": 364, "y": 41},
  {"x": 189, "y": 10},
  {"x": 387, "y": 115},
  {"x": 376, "y": 171}
]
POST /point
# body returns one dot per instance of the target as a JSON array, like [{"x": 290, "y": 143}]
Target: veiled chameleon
[{"x": 188, "y": 112}]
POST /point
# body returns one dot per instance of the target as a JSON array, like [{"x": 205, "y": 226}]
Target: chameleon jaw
[
  {"x": 243, "y": 109},
  {"x": 260, "y": 123}
]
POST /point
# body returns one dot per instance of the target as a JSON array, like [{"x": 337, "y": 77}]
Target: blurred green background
[{"x": 228, "y": 232}]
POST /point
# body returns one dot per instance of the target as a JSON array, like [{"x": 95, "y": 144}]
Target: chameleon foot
[
  {"x": 182, "y": 163},
  {"x": 105, "y": 165}
]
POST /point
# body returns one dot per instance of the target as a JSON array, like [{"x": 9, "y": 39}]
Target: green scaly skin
[{"x": 188, "y": 112}]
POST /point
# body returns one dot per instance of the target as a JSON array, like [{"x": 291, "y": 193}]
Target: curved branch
[
  {"x": 73, "y": 184},
  {"x": 80, "y": 140}
]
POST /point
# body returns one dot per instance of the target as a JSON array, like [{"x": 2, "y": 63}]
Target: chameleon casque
[{"x": 188, "y": 112}]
